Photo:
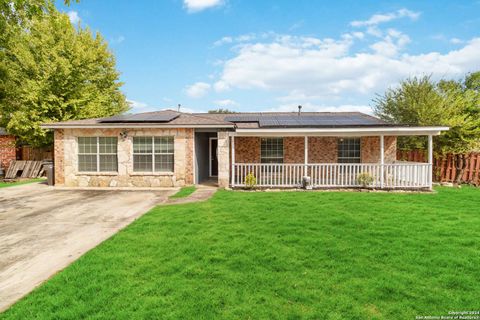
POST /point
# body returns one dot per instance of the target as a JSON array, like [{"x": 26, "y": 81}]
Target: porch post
[
  {"x": 233, "y": 160},
  {"x": 306, "y": 155},
  {"x": 430, "y": 161},
  {"x": 382, "y": 160}
]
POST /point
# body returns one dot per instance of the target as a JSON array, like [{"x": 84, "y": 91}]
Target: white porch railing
[{"x": 406, "y": 175}]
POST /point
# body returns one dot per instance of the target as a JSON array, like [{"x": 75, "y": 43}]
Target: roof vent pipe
[{"x": 299, "y": 110}]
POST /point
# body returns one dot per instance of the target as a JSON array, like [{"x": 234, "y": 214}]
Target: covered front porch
[{"x": 328, "y": 158}]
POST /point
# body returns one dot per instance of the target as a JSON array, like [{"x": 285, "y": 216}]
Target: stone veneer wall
[
  {"x": 223, "y": 157},
  {"x": 320, "y": 149},
  {"x": 125, "y": 177},
  {"x": 8, "y": 151}
]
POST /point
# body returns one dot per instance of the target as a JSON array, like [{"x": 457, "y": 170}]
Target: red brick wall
[
  {"x": 320, "y": 149},
  {"x": 7, "y": 150},
  {"x": 293, "y": 149},
  {"x": 59, "y": 156},
  {"x": 247, "y": 150},
  {"x": 370, "y": 149}
]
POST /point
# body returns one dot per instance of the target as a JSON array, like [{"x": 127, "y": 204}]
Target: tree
[
  {"x": 423, "y": 102},
  {"x": 221, "y": 110},
  {"x": 53, "y": 71}
]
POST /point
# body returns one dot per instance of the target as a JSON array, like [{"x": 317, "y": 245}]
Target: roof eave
[
  {"x": 347, "y": 131},
  {"x": 131, "y": 125}
]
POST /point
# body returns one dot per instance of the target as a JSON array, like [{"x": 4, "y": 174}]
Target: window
[
  {"x": 272, "y": 150},
  {"x": 349, "y": 150},
  {"x": 97, "y": 154},
  {"x": 153, "y": 154}
]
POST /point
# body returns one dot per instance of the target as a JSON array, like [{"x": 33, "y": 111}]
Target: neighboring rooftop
[{"x": 171, "y": 118}]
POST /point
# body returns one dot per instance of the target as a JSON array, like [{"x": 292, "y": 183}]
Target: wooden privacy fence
[
  {"x": 36, "y": 154},
  {"x": 444, "y": 169}
]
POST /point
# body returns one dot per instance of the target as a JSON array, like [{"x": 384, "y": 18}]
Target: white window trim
[
  {"x": 97, "y": 156},
  {"x": 152, "y": 154},
  {"x": 283, "y": 151},
  {"x": 210, "y": 156},
  {"x": 347, "y": 158}
]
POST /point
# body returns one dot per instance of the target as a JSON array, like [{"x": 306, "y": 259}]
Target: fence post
[
  {"x": 233, "y": 160},
  {"x": 382, "y": 161},
  {"x": 430, "y": 161}
]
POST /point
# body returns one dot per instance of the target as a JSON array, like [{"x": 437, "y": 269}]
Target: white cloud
[
  {"x": 225, "y": 103},
  {"x": 73, "y": 16},
  {"x": 391, "y": 43},
  {"x": 221, "y": 86},
  {"x": 309, "y": 107},
  {"x": 238, "y": 39},
  {"x": 117, "y": 40},
  {"x": 224, "y": 40},
  {"x": 198, "y": 89},
  {"x": 377, "y": 19},
  {"x": 456, "y": 41},
  {"x": 137, "y": 106},
  {"x": 327, "y": 67},
  {"x": 199, "y": 5}
]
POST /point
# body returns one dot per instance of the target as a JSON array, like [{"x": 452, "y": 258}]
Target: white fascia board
[
  {"x": 345, "y": 132},
  {"x": 129, "y": 126}
]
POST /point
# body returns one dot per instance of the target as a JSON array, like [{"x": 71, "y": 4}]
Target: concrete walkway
[
  {"x": 202, "y": 193},
  {"x": 43, "y": 229}
]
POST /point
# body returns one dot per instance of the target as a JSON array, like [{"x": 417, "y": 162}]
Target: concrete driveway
[{"x": 43, "y": 229}]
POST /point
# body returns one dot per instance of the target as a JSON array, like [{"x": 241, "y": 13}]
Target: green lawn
[
  {"x": 272, "y": 255},
  {"x": 184, "y": 192},
  {"x": 17, "y": 183}
]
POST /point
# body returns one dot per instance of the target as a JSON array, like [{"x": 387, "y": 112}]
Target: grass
[
  {"x": 184, "y": 192},
  {"x": 17, "y": 183},
  {"x": 279, "y": 255}
]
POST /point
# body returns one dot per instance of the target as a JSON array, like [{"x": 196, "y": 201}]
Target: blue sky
[{"x": 274, "y": 55}]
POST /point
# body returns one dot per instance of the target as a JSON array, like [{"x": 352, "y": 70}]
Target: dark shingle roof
[
  {"x": 164, "y": 117},
  {"x": 308, "y": 120},
  {"x": 241, "y": 120}
]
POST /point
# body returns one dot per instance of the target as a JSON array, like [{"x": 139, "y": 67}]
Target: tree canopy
[
  {"x": 52, "y": 71},
  {"x": 424, "y": 102},
  {"x": 221, "y": 110}
]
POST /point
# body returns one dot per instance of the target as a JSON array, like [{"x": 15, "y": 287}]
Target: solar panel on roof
[
  {"x": 142, "y": 117},
  {"x": 318, "y": 120}
]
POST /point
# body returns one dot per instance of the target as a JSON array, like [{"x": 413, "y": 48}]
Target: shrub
[
  {"x": 250, "y": 181},
  {"x": 365, "y": 179}
]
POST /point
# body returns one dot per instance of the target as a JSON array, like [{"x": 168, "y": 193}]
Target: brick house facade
[
  {"x": 320, "y": 149},
  {"x": 7, "y": 149},
  {"x": 127, "y": 150}
]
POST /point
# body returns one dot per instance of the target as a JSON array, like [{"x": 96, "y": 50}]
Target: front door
[{"x": 213, "y": 157}]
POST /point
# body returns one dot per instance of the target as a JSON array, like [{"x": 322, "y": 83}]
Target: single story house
[
  {"x": 169, "y": 148},
  {"x": 8, "y": 151}
]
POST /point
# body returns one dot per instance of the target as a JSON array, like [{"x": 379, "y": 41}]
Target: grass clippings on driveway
[{"x": 279, "y": 255}]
